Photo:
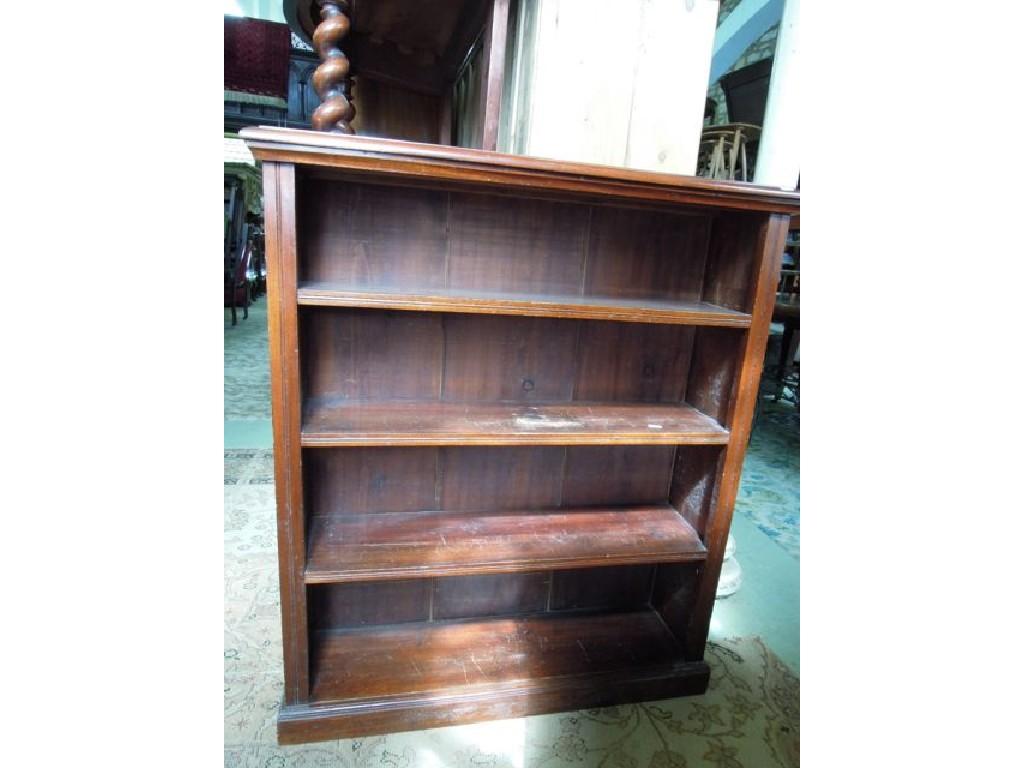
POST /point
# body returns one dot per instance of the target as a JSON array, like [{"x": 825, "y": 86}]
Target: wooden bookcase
[{"x": 511, "y": 399}]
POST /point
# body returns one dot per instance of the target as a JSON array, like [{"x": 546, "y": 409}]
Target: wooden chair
[
  {"x": 234, "y": 214},
  {"x": 784, "y": 375},
  {"x": 710, "y": 107},
  {"x": 787, "y": 312},
  {"x": 258, "y": 266},
  {"x": 236, "y": 278},
  {"x": 257, "y": 261}
]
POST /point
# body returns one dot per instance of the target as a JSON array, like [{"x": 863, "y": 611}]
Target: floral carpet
[
  {"x": 770, "y": 484},
  {"x": 748, "y": 719}
]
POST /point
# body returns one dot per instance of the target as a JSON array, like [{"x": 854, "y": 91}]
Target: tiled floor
[{"x": 766, "y": 523}]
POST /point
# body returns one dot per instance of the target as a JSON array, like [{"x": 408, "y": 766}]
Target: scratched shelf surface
[
  {"x": 333, "y": 422},
  {"x": 426, "y": 544},
  {"x": 423, "y": 657}
]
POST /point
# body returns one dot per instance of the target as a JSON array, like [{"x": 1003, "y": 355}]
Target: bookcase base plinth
[{"x": 306, "y": 723}]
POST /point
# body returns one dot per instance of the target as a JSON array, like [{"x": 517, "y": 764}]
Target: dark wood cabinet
[{"x": 511, "y": 399}]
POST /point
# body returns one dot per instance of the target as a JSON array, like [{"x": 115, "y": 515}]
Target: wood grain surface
[
  {"x": 338, "y": 423},
  {"x": 511, "y": 399},
  {"x": 423, "y": 544}
]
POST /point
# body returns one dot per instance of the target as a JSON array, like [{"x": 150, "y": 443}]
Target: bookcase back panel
[
  {"x": 732, "y": 256},
  {"x": 371, "y": 236},
  {"x": 617, "y": 474},
  {"x": 347, "y": 606},
  {"x": 612, "y": 589},
  {"x": 642, "y": 254},
  {"x": 633, "y": 361},
  {"x": 524, "y": 478},
  {"x": 381, "y": 355},
  {"x": 371, "y": 355},
  {"x": 357, "y": 481},
  {"x": 508, "y": 359},
  {"x": 366, "y": 236},
  {"x": 505, "y": 594},
  {"x": 516, "y": 245}
]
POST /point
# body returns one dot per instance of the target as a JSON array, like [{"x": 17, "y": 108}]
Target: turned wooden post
[{"x": 331, "y": 80}]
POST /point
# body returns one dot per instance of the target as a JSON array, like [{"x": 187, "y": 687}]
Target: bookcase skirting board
[{"x": 511, "y": 399}]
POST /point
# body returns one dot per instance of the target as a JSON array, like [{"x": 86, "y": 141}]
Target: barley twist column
[{"x": 331, "y": 80}]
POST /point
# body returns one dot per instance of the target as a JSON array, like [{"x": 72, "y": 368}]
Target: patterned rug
[
  {"x": 748, "y": 719},
  {"x": 770, "y": 484}
]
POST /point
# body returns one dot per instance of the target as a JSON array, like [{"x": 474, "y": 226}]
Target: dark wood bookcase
[{"x": 511, "y": 399}]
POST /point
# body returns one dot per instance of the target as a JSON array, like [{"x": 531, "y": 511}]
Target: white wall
[
  {"x": 617, "y": 82},
  {"x": 778, "y": 154}
]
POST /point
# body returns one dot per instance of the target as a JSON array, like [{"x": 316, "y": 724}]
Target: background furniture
[
  {"x": 258, "y": 265},
  {"x": 256, "y": 58},
  {"x": 237, "y": 277},
  {"x": 746, "y": 96},
  {"x": 511, "y": 399},
  {"x": 429, "y": 72},
  {"x": 241, "y": 199},
  {"x": 723, "y": 151},
  {"x": 787, "y": 312},
  {"x": 780, "y": 378},
  {"x": 709, "y": 110},
  {"x": 243, "y": 250},
  {"x": 295, "y": 110},
  {"x": 746, "y": 92}
]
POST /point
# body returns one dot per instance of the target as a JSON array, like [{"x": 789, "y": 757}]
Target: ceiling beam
[{"x": 747, "y": 22}]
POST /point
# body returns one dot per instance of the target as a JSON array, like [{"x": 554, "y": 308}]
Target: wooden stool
[{"x": 722, "y": 147}]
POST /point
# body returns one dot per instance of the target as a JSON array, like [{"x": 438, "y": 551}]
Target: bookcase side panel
[
  {"x": 282, "y": 326},
  {"x": 736, "y": 414}
]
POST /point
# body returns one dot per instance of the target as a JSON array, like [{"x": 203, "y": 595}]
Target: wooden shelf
[
  {"x": 425, "y": 544},
  {"x": 333, "y": 422},
  {"x": 532, "y": 305},
  {"x": 419, "y": 658}
]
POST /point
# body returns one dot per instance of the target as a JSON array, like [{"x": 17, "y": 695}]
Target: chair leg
[
  {"x": 787, "y": 343},
  {"x": 757, "y": 415}
]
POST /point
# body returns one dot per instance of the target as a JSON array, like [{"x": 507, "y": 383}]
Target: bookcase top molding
[{"x": 410, "y": 161}]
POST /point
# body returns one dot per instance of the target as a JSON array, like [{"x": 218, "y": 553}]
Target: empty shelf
[
  {"x": 422, "y": 544},
  {"x": 647, "y": 310},
  {"x": 448, "y": 656},
  {"x": 436, "y": 423}
]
